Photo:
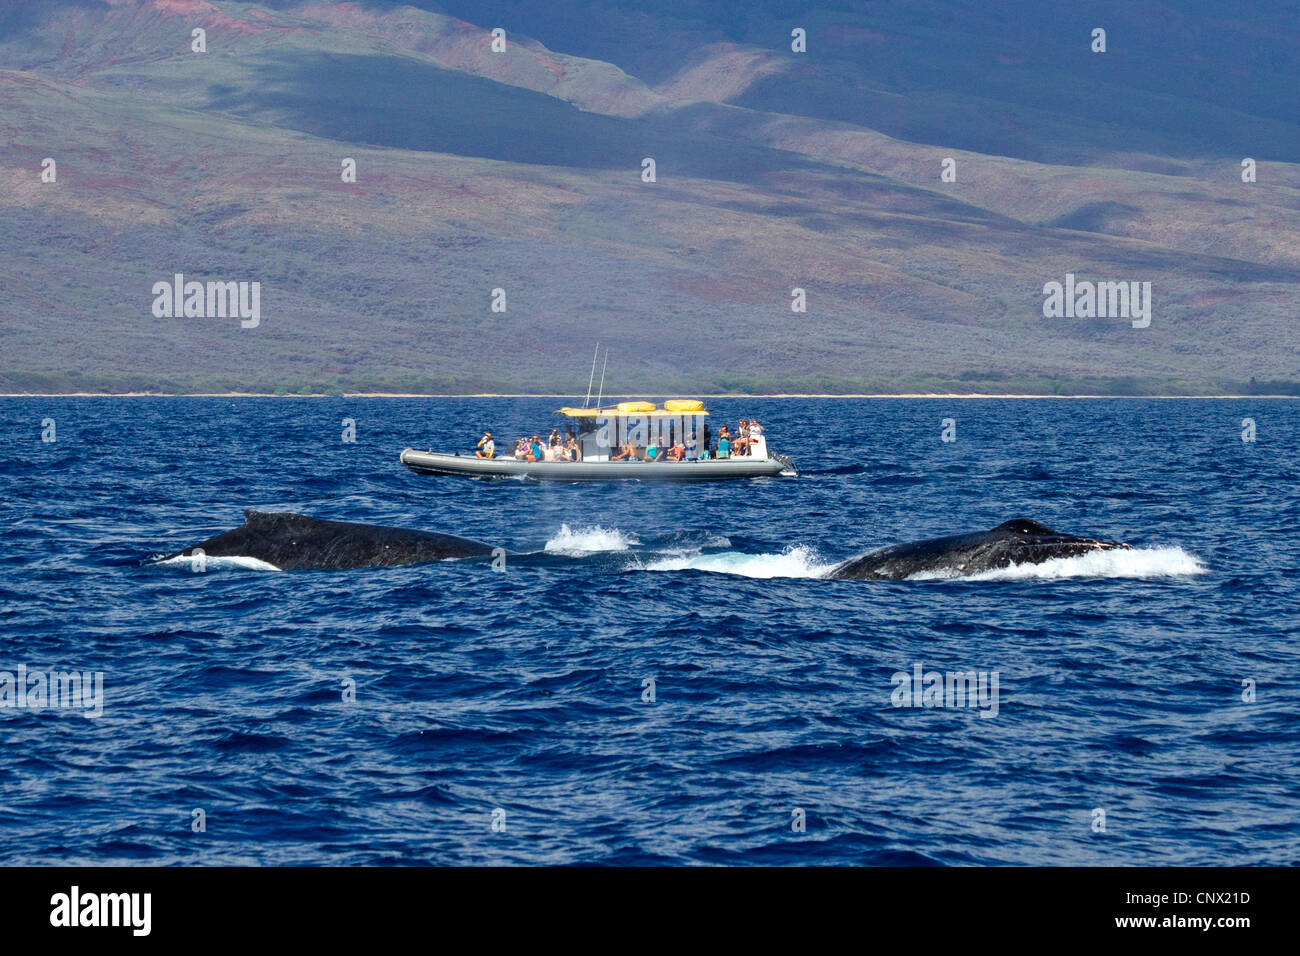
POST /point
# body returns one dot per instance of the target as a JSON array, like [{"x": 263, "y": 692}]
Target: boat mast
[
  {"x": 602, "y": 376},
  {"x": 592, "y": 379}
]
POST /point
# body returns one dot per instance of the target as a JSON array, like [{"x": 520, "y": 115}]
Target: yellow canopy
[
  {"x": 672, "y": 407},
  {"x": 635, "y": 408}
]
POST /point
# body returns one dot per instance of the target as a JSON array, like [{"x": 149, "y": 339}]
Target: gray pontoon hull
[{"x": 434, "y": 463}]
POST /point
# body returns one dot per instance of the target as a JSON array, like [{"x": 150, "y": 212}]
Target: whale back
[
  {"x": 272, "y": 521},
  {"x": 1024, "y": 526},
  {"x": 1018, "y": 541},
  {"x": 292, "y": 541}
]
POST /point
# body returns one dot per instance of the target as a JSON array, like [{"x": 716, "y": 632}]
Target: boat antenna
[
  {"x": 602, "y": 377},
  {"x": 591, "y": 381}
]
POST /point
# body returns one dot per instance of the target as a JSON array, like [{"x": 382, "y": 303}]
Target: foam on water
[
  {"x": 794, "y": 562},
  {"x": 1116, "y": 563},
  {"x": 225, "y": 562},
  {"x": 589, "y": 540}
]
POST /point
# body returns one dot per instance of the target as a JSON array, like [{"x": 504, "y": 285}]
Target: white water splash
[
  {"x": 1115, "y": 563},
  {"x": 224, "y": 562},
  {"x": 797, "y": 562},
  {"x": 589, "y": 540}
]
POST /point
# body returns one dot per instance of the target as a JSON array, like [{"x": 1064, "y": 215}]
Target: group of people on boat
[
  {"x": 555, "y": 448},
  {"x": 566, "y": 448},
  {"x": 739, "y": 444},
  {"x": 726, "y": 445}
]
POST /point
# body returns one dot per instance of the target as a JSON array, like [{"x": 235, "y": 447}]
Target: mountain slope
[{"x": 521, "y": 171}]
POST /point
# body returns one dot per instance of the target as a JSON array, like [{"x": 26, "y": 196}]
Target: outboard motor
[{"x": 789, "y": 470}]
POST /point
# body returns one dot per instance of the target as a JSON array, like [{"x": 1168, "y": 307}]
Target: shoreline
[{"x": 727, "y": 395}]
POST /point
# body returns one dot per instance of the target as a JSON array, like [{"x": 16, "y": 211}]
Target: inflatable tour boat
[{"x": 612, "y": 444}]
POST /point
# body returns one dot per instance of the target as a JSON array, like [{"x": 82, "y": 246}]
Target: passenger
[
  {"x": 571, "y": 449},
  {"x": 679, "y": 451},
  {"x": 555, "y": 437},
  {"x": 742, "y": 438},
  {"x": 652, "y": 450},
  {"x": 535, "y": 449},
  {"x": 692, "y": 449},
  {"x": 486, "y": 448},
  {"x": 724, "y": 444}
]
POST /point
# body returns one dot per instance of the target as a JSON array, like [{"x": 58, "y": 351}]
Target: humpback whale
[
  {"x": 295, "y": 542},
  {"x": 1021, "y": 541}
]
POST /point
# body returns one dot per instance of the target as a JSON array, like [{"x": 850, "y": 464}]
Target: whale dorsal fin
[{"x": 1024, "y": 526}]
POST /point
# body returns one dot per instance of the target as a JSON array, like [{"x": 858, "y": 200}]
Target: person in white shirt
[{"x": 740, "y": 444}]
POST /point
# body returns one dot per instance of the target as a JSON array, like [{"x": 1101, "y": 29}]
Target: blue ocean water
[{"x": 477, "y": 692}]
